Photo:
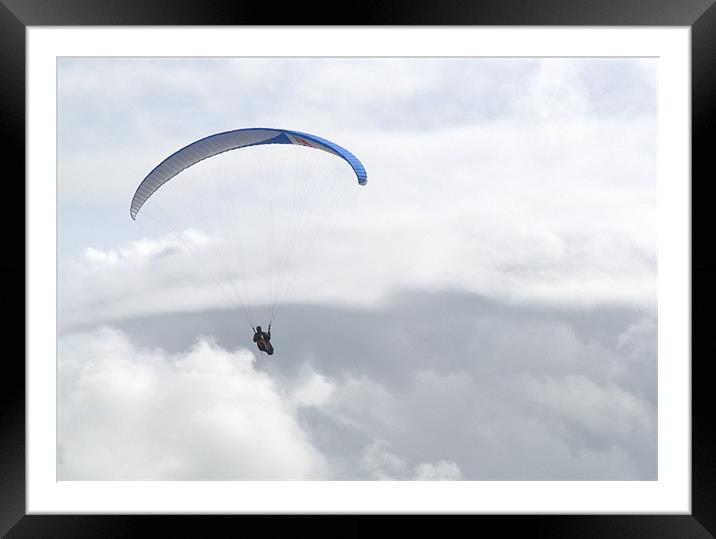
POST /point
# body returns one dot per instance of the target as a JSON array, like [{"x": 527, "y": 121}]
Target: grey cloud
[{"x": 504, "y": 391}]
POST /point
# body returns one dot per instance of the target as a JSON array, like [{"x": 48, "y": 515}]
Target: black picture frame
[{"x": 16, "y": 15}]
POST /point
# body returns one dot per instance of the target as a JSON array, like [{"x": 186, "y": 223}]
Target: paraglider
[
  {"x": 263, "y": 340},
  {"x": 289, "y": 181}
]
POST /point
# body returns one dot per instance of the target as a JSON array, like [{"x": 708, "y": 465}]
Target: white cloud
[
  {"x": 139, "y": 252},
  {"x": 557, "y": 91},
  {"x": 442, "y": 470},
  {"x": 147, "y": 275},
  {"x": 207, "y": 413},
  {"x": 312, "y": 389},
  {"x": 381, "y": 464},
  {"x": 575, "y": 230},
  {"x": 504, "y": 178}
]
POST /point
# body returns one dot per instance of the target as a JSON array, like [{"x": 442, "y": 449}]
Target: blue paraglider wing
[{"x": 233, "y": 140}]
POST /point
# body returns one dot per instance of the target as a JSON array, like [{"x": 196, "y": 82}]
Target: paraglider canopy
[{"x": 233, "y": 140}]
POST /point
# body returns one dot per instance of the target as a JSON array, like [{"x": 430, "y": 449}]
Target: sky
[{"x": 483, "y": 309}]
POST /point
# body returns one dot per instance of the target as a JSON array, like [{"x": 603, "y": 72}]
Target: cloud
[
  {"x": 203, "y": 414},
  {"x": 484, "y": 309},
  {"x": 147, "y": 275},
  {"x": 142, "y": 251},
  {"x": 522, "y": 179},
  {"x": 439, "y": 471},
  {"x": 502, "y": 390},
  {"x": 599, "y": 413},
  {"x": 311, "y": 388},
  {"x": 383, "y": 465}
]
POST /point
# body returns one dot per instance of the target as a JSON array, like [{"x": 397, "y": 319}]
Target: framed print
[{"x": 435, "y": 260}]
